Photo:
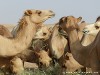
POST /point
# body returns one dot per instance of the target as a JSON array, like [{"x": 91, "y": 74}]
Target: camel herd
[{"x": 72, "y": 43}]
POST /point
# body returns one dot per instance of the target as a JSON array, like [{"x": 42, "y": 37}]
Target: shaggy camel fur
[
  {"x": 79, "y": 52},
  {"x": 27, "y": 29},
  {"x": 5, "y": 32}
]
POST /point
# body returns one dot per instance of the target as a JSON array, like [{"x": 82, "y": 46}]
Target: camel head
[
  {"x": 39, "y": 16},
  {"x": 92, "y": 29},
  {"x": 43, "y": 32},
  {"x": 44, "y": 59},
  {"x": 70, "y": 64},
  {"x": 69, "y": 23}
]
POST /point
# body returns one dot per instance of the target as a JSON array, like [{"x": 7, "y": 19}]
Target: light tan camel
[
  {"x": 88, "y": 55},
  {"x": 27, "y": 55},
  {"x": 27, "y": 29}
]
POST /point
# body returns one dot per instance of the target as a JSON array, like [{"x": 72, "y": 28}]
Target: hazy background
[{"x": 11, "y": 10}]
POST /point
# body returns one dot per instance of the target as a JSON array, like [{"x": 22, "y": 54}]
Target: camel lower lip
[{"x": 52, "y": 15}]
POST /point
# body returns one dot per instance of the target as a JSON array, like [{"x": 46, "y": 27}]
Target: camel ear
[
  {"x": 79, "y": 19},
  {"x": 28, "y": 12}
]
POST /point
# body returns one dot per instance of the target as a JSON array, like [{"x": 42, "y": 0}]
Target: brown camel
[
  {"x": 87, "y": 56},
  {"x": 71, "y": 64},
  {"x": 27, "y": 29}
]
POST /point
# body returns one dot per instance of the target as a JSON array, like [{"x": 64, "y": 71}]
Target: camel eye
[
  {"x": 97, "y": 27},
  {"x": 38, "y": 12}
]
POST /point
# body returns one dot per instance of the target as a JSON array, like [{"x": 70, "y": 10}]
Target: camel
[
  {"x": 57, "y": 43},
  {"x": 79, "y": 52},
  {"x": 27, "y": 29},
  {"x": 71, "y": 64}
]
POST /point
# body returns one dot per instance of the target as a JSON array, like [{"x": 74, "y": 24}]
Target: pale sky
[{"x": 12, "y": 10}]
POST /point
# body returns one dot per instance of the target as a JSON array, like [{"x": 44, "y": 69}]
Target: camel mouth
[{"x": 52, "y": 15}]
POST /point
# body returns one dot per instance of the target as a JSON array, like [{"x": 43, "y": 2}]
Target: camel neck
[
  {"x": 79, "y": 52},
  {"x": 25, "y": 33}
]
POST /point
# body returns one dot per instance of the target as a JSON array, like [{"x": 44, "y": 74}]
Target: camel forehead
[{"x": 71, "y": 18}]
